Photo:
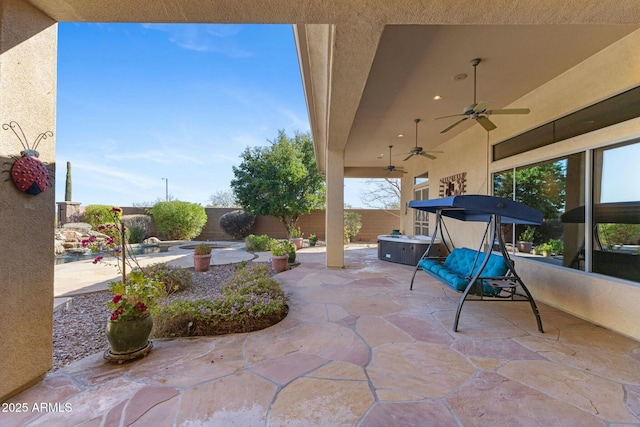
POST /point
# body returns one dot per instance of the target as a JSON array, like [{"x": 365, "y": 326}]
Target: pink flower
[
  {"x": 114, "y": 209},
  {"x": 117, "y": 251},
  {"x": 101, "y": 227},
  {"x": 116, "y": 299},
  {"x": 98, "y": 259},
  {"x": 85, "y": 242},
  {"x": 109, "y": 241}
]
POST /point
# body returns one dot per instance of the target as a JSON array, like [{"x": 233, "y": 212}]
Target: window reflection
[
  {"x": 616, "y": 212},
  {"x": 553, "y": 188},
  {"x": 557, "y": 189}
]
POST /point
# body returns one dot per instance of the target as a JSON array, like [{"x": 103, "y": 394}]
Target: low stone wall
[{"x": 374, "y": 223}]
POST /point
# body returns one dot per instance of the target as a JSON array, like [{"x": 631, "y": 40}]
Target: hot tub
[{"x": 406, "y": 249}]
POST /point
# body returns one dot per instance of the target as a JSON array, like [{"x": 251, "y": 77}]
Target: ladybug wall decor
[{"x": 28, "y": 172}]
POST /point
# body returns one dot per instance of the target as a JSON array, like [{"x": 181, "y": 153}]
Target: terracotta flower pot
[
  {"x": 525, "y": 247},
  {"x": 297, "y": 241},
  {"x": 279, "y": 263},
  {"x": 129, "y": 336},
  {"x": 201, "y": 262}
]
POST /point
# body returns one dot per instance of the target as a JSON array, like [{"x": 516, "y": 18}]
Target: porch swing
[{"x": 479, "y": 275}]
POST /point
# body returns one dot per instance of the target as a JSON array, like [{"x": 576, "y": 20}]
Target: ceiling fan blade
[
  {"x": 480, "y": 107},
  {"x": 509, "y": 111},
  {"x": 447, "y": 117},
  {"x": 454, "y": 125},
  {"x": 408, "y": 157},
  {"x": 428, "y": 156},
  {"x": 486, "y": 123}
]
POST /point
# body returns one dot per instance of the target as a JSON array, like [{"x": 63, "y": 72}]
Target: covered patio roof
[{"x": 369, "y": 69}]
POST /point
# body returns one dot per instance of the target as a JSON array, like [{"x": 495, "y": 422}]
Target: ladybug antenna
[
  {"x": 13, "y": 125},
  {"x": 40, "y": 137}
]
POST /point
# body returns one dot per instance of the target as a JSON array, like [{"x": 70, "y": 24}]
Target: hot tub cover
[{"x": 480, "y": 208}]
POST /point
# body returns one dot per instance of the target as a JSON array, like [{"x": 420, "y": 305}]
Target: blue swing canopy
[{"x": 480, "y": 208}]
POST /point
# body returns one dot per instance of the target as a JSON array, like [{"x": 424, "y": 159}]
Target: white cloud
[{"x": 215, "y": 38}]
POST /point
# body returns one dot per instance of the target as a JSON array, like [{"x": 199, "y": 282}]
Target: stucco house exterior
[{"x": 369, "y": 70}]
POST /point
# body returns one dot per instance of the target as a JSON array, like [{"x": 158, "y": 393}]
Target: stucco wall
[
  {"x": 28, "y": 75},
  {"x": 606, "y": 301}
]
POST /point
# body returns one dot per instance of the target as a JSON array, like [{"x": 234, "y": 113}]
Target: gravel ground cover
[{"x": 79, "y": 331}]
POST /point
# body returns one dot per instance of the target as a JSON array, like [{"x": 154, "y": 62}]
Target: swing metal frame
[{"x": 495, "y": 211}]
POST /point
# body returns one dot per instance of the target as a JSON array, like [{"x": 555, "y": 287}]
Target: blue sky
[{"x": 138, "y": 103}]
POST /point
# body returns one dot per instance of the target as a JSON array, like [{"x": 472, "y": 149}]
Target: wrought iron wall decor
[{"x": 454, "y": 185}]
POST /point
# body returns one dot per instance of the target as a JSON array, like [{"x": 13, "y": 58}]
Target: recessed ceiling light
[
  {"x": 400, "y": 135},
  {"x": 459, "y": 77},
  {"x": 437, "y": 98},
  {"x": 380, "y": 155}
]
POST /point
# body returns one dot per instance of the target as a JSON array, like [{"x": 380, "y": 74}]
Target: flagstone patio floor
[{"x": 358, "y": 348}]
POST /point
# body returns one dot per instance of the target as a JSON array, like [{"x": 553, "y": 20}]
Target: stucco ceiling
[
  {"x": 413, "y": 63},
  {"x": 371, "y": 67}
]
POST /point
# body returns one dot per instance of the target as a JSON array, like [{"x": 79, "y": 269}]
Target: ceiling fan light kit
[{"x": 478, "y": 111}]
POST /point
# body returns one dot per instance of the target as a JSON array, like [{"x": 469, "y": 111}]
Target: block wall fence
[{"x": 374, "y": 222}]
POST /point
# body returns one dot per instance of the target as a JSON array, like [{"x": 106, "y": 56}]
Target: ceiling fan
[
  {"x": 392, "y": 168},
  {"x": 418, "y": 151},
  {"x": 478, "y": 111}
]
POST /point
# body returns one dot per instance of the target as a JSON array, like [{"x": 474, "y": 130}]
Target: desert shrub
[
  {"x": 137, "y": 227},
  {"x": 556, "y": 246},
  {"x": 179, "y": 220},
  {"x": 135, "y": 234},
  {"x": 352, "y": 224},
  {"x": 101, "y": 214},
  {"x": 260, "y": 243},
  {"x": 249, "y": 301},
  {"x": 237, "y": 223},
  {"x": 175, "y": 279}
]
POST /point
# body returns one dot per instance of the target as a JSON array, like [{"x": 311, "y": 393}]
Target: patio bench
[{"x": 461, "y": 265}]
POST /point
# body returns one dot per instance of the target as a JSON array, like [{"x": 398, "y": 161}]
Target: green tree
[
  {"x": 542, "y": 187},
  {"x": 279, "y": 180}
]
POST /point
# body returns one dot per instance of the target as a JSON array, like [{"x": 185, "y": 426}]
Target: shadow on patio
[{"x": 359, "y": 348}]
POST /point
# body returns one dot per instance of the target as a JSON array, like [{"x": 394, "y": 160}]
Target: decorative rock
[
  {"x": 58, "y": 247},
  {"x": 151, "y": 241},
  {"x": 82, "y": 227}
]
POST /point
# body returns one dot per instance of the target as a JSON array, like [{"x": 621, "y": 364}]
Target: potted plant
[
  {"x": 201, "y": 257},
  {"x": 290, "y": 248},
  {"x": 313, "y": 240},
  {"x": 296, "y": 236},
  {"x": 279, "y": 257},
  {"x": 544, "y": 249},
  {"x": 526, "y": 240},
  {"x": 130, "y": 322}
]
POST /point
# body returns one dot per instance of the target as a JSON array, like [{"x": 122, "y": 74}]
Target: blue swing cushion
[{"x": 456, "y": 271}]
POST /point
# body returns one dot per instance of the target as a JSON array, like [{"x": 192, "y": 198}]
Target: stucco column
[
  {"x": 28, "y": 44},
  {"x": 334, "y": 219}
]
